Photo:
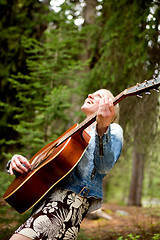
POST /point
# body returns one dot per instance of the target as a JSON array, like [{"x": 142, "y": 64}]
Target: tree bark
[{"x": 135, "y": 192}]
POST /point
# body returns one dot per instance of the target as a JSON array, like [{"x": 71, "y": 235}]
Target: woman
[{"x": 59, "y": 214}]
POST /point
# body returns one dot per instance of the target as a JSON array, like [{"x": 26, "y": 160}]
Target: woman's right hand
[{"x": 19, "y": 164}]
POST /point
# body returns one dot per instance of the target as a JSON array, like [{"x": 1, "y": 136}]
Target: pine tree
[{"x": 18, "y": 19}]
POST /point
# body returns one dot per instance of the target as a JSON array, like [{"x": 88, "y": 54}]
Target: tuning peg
[
  {"x": 145, "y": 83},
  {"x": 140, "y": 96},
  {"x": 148, "y": 93},
  {"x": 156, "y": 89}
]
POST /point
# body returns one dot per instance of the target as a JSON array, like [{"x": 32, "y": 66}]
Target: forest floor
[{"x": 125, "y": 221}]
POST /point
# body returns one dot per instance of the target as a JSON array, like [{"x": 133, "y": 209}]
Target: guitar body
[{"x": 29, "y": 188}]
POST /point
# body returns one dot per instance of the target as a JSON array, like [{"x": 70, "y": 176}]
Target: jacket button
[{"x": 93, "y": 174}]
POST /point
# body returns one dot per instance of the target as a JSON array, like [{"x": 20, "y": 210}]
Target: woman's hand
[
  {"x": 105, "y": 114},
  {"x": 19, "y": 164}
]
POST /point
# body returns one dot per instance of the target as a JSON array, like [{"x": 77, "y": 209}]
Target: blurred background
[{"x": 52, "y": 55}]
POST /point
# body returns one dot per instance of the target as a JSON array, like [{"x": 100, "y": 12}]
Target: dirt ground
[{"x": 125, "y": 220}]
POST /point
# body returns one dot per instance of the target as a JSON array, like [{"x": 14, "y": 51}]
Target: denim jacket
[{"x": 98, "y": 159}]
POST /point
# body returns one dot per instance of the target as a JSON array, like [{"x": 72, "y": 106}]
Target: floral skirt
[{"x": 58, "y": 217}]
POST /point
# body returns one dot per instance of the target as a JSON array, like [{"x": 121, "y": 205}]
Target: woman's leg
[
  {"x": 19, "y": 237},
  {"x": 59, "y": 217}
]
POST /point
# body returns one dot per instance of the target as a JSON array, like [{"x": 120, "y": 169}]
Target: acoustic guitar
[{"x": 58, "y": 158}]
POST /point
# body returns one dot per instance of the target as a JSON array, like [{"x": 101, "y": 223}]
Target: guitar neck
[
  {"x": 146, "y": 86},
  {"x": 88, "y": 121},
  {"x": 138, "y": 89}
]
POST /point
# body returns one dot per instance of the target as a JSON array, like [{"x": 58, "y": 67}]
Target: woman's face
[{"x": 91, "y": 103}]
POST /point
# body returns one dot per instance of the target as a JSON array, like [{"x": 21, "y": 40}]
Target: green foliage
[
  {"x": 41, "y": 114},
  {"x": 121, "y": 54},
  {"x": 18, "y": 19},
  {"x": 9, "y": 218},
  {"x": 82, "y": 236},
  {"x": 42, "y": 91},
  {"x": 123, "y": 51},
  {"x": 5, "y": 181},
  {"x": 156, "y": 236},
  {"x": 131, "y": 236}
]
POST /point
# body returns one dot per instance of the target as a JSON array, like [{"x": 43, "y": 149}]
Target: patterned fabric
[{"x": 58, "y": 217}]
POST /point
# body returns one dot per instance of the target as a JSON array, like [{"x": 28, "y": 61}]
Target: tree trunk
[{"x": 135, "y": 192}]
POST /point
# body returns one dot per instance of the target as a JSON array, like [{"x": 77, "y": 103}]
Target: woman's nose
[{"x": 91, "y": 96}]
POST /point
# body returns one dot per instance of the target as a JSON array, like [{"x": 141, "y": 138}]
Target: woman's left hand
[{"x": 105, "y": 114}]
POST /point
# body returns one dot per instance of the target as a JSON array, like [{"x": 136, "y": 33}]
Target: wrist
[
  {"x": 8, "y": 166},
  {"x": 101, "y": 130}
]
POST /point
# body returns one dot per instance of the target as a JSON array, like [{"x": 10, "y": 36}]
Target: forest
[{"x": 52, "y": 55}]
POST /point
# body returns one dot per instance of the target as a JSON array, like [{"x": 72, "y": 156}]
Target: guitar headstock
[{"x": 146, "y": 86}]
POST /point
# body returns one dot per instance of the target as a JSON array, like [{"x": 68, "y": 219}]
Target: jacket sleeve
[{"x": 108, "y": 148}]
